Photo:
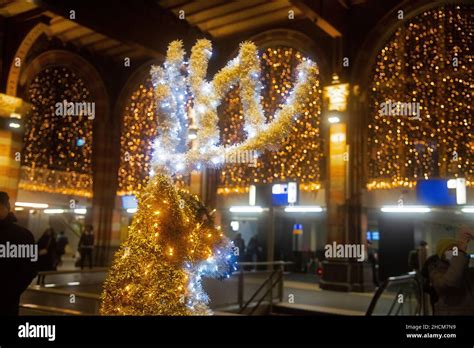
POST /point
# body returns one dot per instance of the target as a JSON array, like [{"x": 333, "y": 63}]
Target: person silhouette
[{"x": 16, "y": 273}]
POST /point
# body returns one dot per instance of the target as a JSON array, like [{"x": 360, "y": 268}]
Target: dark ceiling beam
[
  {"x": 77, "y": 33},
  {"x": 61, "y": 25},
  {"x": 197, "y": 6},
  {"x": 107, "y": 50},
  {"x": 138, "y": 22},
  {"x": 80, "y": 40},
  {"x": 67, "y": 32},
  {"x": 222, "y": 10},
  {"x": 173, "y": 3},
  {"x": 119, "y": 50},
  {"x": 344, "y": 4},
  {"x": 91, "y": 39},
  {"x": 104, "y": 45},
  {"x": 328, "y": 15},
  {"x": 236, "y": 18},
  {"x": 26, "y": 16},
  {"x": 249, "y": 23}
]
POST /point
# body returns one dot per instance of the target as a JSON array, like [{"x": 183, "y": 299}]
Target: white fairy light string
[{"x": 178, "y": 81}]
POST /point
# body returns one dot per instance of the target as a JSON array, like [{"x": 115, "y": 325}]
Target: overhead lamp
[
  {"x": 304, "y": 209},
  {"x": 405, "y": 209},
  {"x": 468, "y": 210},
  {"x": 246, "y": 209},
  {"x": 54, "y": 211},
  {"x": 31, "y": 205},
  {"x": 80, "y": 211}
]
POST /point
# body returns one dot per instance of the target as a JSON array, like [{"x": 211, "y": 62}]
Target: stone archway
[
  {"x": 103, "y": 133},
  {"x": 297, "y": 40},
  {"x": 20, "y": 56},
  {"x": 382, "y": 36}
]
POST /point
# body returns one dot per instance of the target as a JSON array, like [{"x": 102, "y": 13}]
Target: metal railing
[
  {"x": 42, "y": 275},
  {"x": 274, "y": 280},
  {"x": 50, "y": 310},
  {"x": 89, "y": 301},
  {"x": 407, "y": 289},
  {"x": 36, "y": 295}
]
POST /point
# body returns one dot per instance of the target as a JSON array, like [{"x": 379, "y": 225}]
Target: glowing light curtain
[
  {"x": 428, "y": 60},
  {"x": 57, "y": 150},
  {"x": 299, "y": 156},
  {"x": 138, "y": 132}
]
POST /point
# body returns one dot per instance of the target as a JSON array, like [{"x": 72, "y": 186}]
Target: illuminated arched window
[
  {"x": 298, "y": 157},
  {"x": 57, "y": 148},
  {"x": 138, "y": 132},
  {"x": 426, "y": 64}
]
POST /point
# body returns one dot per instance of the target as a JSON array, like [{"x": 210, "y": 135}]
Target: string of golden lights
[
  {"x": 55, "y": 143},
  {"x": 139, "y": 128},
  {"x": 300, "y": 153},
  {"x": 427, "y": 62}
]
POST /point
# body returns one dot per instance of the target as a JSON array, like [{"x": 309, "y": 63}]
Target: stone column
[
  {"x": 343, "y": 191},
  {"x": 11, "y": 111}
]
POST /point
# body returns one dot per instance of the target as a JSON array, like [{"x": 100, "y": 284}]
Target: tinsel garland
[
  {"x": 172, "y": 103},
  {"x": 206, "y": 96}
]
